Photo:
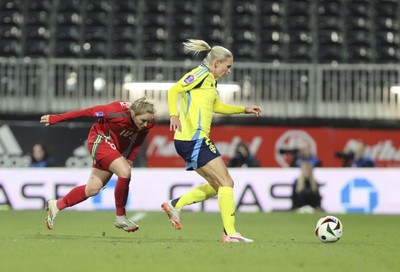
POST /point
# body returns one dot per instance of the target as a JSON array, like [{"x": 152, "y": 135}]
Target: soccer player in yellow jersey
[{"x": 199, "y": 100}]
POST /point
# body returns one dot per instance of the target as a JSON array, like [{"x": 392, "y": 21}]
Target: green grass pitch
[{"x": 88, "y": 241}]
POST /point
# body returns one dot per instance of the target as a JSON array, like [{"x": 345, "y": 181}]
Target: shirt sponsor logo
[
  {"x": 189, "y": 79},
  {"x": 99, "y": 114}
]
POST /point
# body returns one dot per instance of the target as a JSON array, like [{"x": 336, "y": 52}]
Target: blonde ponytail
[{"x": 215, "y": 53}]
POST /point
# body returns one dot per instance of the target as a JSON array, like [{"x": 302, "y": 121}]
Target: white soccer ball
[{"x": 329, "y": 229}]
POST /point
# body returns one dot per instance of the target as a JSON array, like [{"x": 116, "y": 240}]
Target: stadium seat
[
  {"x": 329, "y": 8},
  {"x": 154, "y": 34},
  {"x": 68, "y": 33},
  {"x": 387, "y": 54},
  {"x": 37, "y": 48},
  {"x": 154, "y": 20},
  {"x": 69, "y": 18},
  {"x": 121, "y": 18},
  {"x": 181, "y": 34},
  {"x": 70, "y": 6},
  {"x": 11, "y": 5},
  {"x": 38, "y": 18},
  {"x": 384, "y": 23},
  {"x": 328, "y": 53},
  {"x": 10, "y": 48},
  {"x": 299, "y": 8},
  {"x": 271, "y": 22},
  {"x": 154, "y": 6},
  {"x": 359, "y": 37},
  {"x": 96, "y": 33},
  {"x": 10, "y": 32},
  {"x": 271, "y": 51},
  {"x": 300, "y": 52},
  {"x": 244, "y": 51},
  {"x": 299, "y": 22},
  {"x": 95, "y": 49},
  {"x": 40, "y": 5},
  {"x": 124, "y": 50},
  {"x": 96, "y": 18},
  {"x": 34, "y": 32},
  {"x": 67, "y": 49},
  {"x": 359, "y": 54},
  {"x": 358, "y": 8},
  {"x": 214, "y": 36},
  {"x": 124, "y": 33},
  {"x": 386, "y": 8},
  {"x": 329, "y": 22},
  {"x": 154, "y": 50},
  {"x": 124, "y": 6},
  {"x": 271, "y": 7},
  {"x": 98, "y": 6},
  {"x": 11, "y": 17}
]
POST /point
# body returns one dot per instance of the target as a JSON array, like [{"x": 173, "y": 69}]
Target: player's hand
[
  {"x": 175, "y": 124},
  {"x": 254, "y": 110},
  {"x": 130, "y": 162},
  {"x": 45, "y": 120}
]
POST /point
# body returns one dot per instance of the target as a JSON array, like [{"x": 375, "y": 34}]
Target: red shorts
[{"x": 102, "y": 150}]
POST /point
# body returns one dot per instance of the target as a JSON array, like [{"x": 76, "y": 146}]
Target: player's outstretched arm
[{"x": 254, "y": 110}]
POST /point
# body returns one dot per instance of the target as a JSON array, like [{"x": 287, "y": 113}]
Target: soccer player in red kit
[{"x": 113, "y": 143}]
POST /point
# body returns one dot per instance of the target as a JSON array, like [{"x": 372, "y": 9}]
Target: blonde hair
[
  {"x": 142, "y": 105},
  {"x": 214, "y": 53}
]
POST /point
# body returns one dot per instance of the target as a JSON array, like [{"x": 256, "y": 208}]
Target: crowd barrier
[{"x": 371, "y": 191}]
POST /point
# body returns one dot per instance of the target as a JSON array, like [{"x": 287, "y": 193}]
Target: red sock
[
  {"x": 121, "y": 195},
  {"x": 75, "y": 196}
]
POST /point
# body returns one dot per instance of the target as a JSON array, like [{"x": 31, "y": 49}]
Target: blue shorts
[{"x": 196, "y": 153}]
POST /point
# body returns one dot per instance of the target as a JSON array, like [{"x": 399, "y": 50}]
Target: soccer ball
[{"x": 329, "y": 229}]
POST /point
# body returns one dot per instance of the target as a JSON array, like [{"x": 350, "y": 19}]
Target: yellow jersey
[{"x": 199, "y": 100}]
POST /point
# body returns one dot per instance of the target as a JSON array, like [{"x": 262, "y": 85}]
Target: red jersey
[{"x": 114, "y": 121}]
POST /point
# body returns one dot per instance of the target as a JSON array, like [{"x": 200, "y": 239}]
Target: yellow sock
[
  {"x": 227, "y": 208},
  {"x": 198, "y": 194}
]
